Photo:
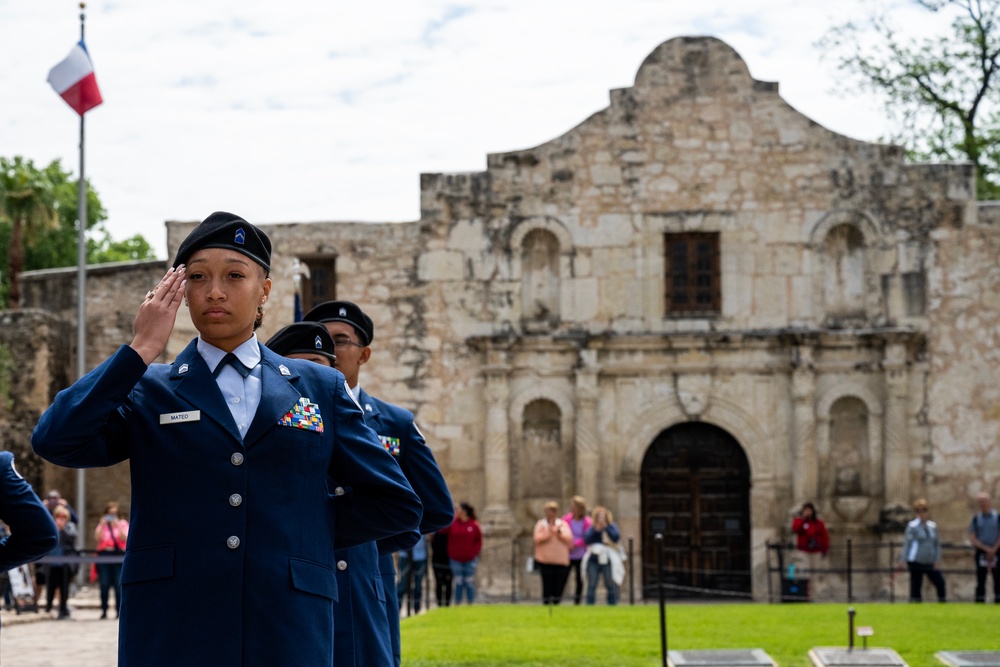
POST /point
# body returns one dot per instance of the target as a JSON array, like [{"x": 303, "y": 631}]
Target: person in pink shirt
[
  {"x": 111, "y": 535},
  {"x": 579, "y": 524},
  {"x": 552, "y": 542}
]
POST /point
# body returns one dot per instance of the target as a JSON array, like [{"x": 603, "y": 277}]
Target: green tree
[
  {"x": 27, "y": 200},
  {"x": 58, "y": 246},
  {"x": 942, "y": 90}
]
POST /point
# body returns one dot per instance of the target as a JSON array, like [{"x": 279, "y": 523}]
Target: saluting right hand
[{"x": 157, "y": 314}]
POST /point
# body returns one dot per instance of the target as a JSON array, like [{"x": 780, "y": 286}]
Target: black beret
[
  {"x": 303, "y": 338},
  {"x": 344, "y": 311},
  {"x": 229, "y": 231}
]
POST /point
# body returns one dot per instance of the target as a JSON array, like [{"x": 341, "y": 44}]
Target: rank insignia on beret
[
  {"x": 343, "y": 312},
  {"x": 241, "y": 236},
  {"x": 305, "y": 415},
  {"x": 318, "y": 343},
  {"x": 391, "y": 444}
]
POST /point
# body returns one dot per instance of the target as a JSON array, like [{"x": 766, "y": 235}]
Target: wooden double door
[{"x": 696, "y": 494}]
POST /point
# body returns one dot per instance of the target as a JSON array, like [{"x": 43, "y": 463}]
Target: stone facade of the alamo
[{"x": 698, "y": 307}]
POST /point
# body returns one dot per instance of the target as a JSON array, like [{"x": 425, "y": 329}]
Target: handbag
[{"x": 529, "y": 566}]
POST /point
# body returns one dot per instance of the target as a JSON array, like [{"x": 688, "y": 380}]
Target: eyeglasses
[{"x": 344, "y": 340}]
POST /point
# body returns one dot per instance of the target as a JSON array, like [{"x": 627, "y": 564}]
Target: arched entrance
[{"x": 696, "y": 493}]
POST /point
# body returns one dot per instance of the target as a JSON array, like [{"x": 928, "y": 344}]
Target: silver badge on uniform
[
  {"x": 183, "y": 368},
  {"x": 368, "y": 407},
  {"x": 284, "y": 370}
]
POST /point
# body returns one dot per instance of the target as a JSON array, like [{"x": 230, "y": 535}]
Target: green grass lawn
[{"x": 602, "y": 636}]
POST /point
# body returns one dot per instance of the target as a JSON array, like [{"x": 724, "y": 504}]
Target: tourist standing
[
  {"x": 579, "y": 524},
  {"x": 604, "y": 561},
  {"x": 442, "y": 567},
  {"x": 111, "y": 537},
  {"x": 465, "y": 541},
  {"x": 984, "y": 533},
  {"x": 922, "y": 553},
  {"x": 552, "y": 538}
]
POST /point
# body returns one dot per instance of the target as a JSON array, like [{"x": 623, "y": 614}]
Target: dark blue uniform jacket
[
  {"x": 230, "y": 556},
  {"x": 401, "y": 437},
  {"x": 33, "y": 532},
  {"x": 368, "y": 618}
]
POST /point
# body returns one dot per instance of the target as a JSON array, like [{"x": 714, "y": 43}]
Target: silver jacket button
[
  {"x": 339, "y": 491},
  {"x": 341, "y": 565},
  {"x": 235, "y": 500},
  {"x": 233, "y": 542},
  {"x": 236, "y": 459}
]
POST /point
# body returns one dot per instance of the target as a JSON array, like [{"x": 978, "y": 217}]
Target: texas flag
[{"x": 74, "y": 80}]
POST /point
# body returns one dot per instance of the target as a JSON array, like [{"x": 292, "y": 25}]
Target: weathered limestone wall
[
  {"x": 114, "y": 292},
  {"x": 961, "y": 456},
  {"x": 33, "y": 362}
]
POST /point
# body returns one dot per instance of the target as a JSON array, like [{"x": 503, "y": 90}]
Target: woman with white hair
[{"x": 604, "y": 560}]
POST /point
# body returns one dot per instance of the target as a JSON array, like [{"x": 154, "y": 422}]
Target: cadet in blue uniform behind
[
  {"x": 33, "y": 533},
  {"x": 360, "y": 621},
  {"x": 352, "y": 331},
  {"x": 232, "y": 451}
]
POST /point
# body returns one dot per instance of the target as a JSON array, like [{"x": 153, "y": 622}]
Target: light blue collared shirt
[{"x": 242, "y": 394}]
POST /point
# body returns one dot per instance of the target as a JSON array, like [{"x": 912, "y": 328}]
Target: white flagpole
[{"x": 81, "y": 315}]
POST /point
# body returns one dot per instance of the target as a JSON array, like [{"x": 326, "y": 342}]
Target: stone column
[
  {"x": 586, "y": 428},
  {"x": 496, "y": 470},
  {"x": 805, "y": 464},
  {"x": 494, "y": 576},
  {"x": 897, "y": 459}
]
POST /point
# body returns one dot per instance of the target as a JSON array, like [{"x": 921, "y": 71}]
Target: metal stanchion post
[
  {"x": 850, "y": 587},
  {"x": 663, "y": 601},
  {"x": 513, "y": 571},
  {"x": 767, "y": 563},
  {"x": 850, "y": 628},
  {"x": 631, "y": 572},
  {"x": 892, "y": 574}
]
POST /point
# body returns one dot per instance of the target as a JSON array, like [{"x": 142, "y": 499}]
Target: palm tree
[{"x": 27, "y": 200}]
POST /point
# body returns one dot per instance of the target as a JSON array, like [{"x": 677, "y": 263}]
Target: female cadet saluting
[{"x": 232, "y": 452}]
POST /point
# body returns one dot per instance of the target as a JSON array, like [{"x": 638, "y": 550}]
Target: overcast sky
[{"x": 308, "y": 110}]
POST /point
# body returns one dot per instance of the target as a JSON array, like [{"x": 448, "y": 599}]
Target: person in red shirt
[
  {"x": 465, "y": 541},
  {"x": 810, "y": 531},
  {"x": 811, "y": 544}
]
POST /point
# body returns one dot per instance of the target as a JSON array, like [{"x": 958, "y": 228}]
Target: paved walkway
[{"x": 40, "y": 640}]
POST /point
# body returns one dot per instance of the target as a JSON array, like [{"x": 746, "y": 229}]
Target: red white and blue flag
[{"x": 74, "y": 80}]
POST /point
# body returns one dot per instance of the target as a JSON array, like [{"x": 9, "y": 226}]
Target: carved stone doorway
[{"x": 696, "y": 493}]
